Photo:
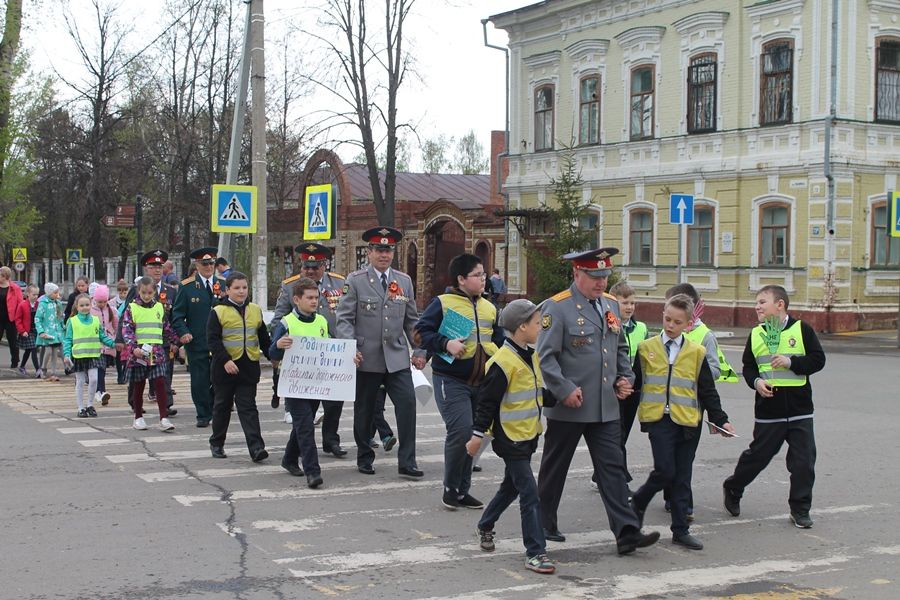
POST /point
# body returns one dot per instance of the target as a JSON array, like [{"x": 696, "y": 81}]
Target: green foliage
[
  {"x": 469, "y": 158},
  {"x": 551, "y": 273}
]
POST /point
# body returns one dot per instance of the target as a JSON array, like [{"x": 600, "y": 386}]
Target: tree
[
  {"x": 368, "y": 80},
  {"x": 435, "y": 152},
  {"x": 9, "y": 47},
  {"x": 469, "y": 157},
  {"x": 551, "y": 273}
]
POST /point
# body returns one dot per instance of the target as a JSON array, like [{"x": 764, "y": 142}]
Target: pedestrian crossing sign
[
  {"x": 895, "y": 214},
  {"x": 318, "y": 213},
  {"x": 234, "y": 209},
  {"x": 20, "y": 255},
  {"x": 73, "y": 256}
]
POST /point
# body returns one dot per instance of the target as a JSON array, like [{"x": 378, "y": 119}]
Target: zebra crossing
[{"x": 361, "y": 536}]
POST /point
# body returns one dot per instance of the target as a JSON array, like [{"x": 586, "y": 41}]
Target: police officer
[
  {"x": 152, "y": 263},
  {"x": 581, "y": 326},
  {"x": 378, "y": 309},
  {"x": 313, "y": 261},
  {"x": 190, "y": 313}
]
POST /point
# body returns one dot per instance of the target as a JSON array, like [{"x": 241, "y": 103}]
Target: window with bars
[
  {"x": 887, "y": 81},
  {"x": 774, "y": 235},
  {"x": 776, "y": 92},
  {"x": 701, "y": 236},
  {"x": 885, "y": 249},
  {"x": 702, "y": 94},
  {"x": 642, "y": 96},
  {"x": 362, "y": 257},
  {"x": 543, "y": 118},
  {"x": 640, "y": 234},
  {"x": 590, "y": 223},
  {"x": 589, "y": 110}
]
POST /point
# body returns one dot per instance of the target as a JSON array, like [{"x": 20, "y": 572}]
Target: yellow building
[{"x": 728, "y": 101}]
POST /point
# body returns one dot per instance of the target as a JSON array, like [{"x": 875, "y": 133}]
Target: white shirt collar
[
  {"x": 387, "y": 273},
  {"x": 678, "y": 341}
]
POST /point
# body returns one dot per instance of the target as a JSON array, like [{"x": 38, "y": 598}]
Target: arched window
[
  {"x": 887, "y": 80},
  {"x": 776, "y": 83},
  {"x": 640, "y": 237},
  {"x": 885, "y": 250},
  {"x": 774, "y": 235},
  {"x": 543, "y": 118},
  {"x": 643, "y": 92},
  {"x": 589, "y": 110},
  {"x": 701, "y": 237},
  {"x": 702, "y": 93}
]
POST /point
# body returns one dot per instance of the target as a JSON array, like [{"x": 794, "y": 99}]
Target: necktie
[
  {"x": 669, "y": 345},
  {"x": 384, "y": 281},
  {"x": 208, "y": 288}
]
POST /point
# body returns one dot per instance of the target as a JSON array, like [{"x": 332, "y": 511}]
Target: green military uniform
[{"x": 190, "y": 313}]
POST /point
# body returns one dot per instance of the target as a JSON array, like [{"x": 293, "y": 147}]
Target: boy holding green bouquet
[{"x": 780, "y": 355}]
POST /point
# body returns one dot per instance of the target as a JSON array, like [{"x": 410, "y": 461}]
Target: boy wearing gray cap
[{"x": 509, "y": 404}]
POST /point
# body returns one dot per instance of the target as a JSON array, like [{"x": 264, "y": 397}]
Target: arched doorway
[
  {"x": 444, "y": 239},
  {"x": 412, "y": 264},
  {"x": 483, "y": 251}
]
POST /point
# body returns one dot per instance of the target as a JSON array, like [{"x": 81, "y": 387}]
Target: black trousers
[
  {"x": 330, "y": 422},
  {"x": 400, "y": 388},
  {"x": 627, "y": 412},
  {"x": 673, "y": 461},
  {"x": 8, "y": 328},
  {"x": 801, "y": 459},
  {"x": 242, "y": 395},
  {"x": 382, "y": 427},
  {"x": 604, "y": 444},
  {"x": 302, "y": 442}
]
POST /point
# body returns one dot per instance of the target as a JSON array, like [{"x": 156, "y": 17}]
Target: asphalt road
[{"x": 93, "y": 509}]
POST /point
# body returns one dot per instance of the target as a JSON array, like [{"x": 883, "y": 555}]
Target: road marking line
[
  {"x": 316, "y": 522},
  {"x": 493, "y": 592}
]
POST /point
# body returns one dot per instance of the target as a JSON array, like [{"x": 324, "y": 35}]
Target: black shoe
[
  {"x": 173, "y": 411},
  {"x": 634, "y": 539},
  {"x": 476, "y": 468},
  {"x": 366, "y": 469},
  {"x": 801, "y": 520},
  {"x": 410, "y": 472},
  {"x": 337, "y": 451},
  {"x": 469, "y": 501},
  {"x": 275, "y": 401},
  {"x": 217, "y": 451},
  {"x": 732, "y": 502},
  {"x": 688, "y": 541},
  {"x": 91, "y": 411},
  {"x": 260, "y": 455},
  {"x": 554, "y": 535},
  {"x": 450, "y": 500},
  {"x": 202, "y": 423},
  {"x": 314, "y": 481},
  {"x": 82, "y": 413},
  {"x": 294, "y": 469},
  {"x": 639, "y": 513},
  {"x": 389, "y": 442},
  {"x": 373, "y": 444}
]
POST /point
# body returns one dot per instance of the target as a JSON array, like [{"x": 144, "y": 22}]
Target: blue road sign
[
  {"x": 73, "y": 256},
  {"x": 681, "y": 209},
  {"x": 895, "y": 214},
  {"x": 233, "y": 209}
]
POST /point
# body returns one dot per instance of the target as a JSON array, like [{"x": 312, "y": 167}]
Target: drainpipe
[
  {"x": 504, "y": 154},
  {"x": 829, "y": 287}
]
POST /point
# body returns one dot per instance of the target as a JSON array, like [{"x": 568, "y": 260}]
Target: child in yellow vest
[
  {"x": 509, "y": 403},
  {"x": 82, "y": 342},
  {"x": 144, "y": 329},
  {"x": 676, "y": 385},
  {"x": 780, "y": 355}
]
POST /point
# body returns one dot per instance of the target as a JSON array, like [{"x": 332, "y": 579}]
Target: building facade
[{"x": 726, "y": 100}]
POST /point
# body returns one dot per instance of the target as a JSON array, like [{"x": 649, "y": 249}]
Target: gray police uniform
[
  {"x": 579, "y": 348},
  {"x": 382, "y": 323},
  {"x": 331, "y": 288}
]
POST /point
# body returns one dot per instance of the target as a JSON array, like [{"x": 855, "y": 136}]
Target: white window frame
[
  {"x": 626, "y": 231},
  {"x": 755, "y": 210},
  {"x": 714, "y": 205},
  {"x": 702, "y": 33},
  {"x": 641, "y": 46}
]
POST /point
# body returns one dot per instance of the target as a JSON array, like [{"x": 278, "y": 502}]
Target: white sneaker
[
  {"x": 288, "y": 418},
  {"x": 104, "y": 398},
  {"x": 97, "y": 396},
  {"x": 140, "y": 424},
  {"x": 166, "y": 425}
]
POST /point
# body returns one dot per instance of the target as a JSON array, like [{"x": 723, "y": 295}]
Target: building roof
[{"x": 465, "y": 191}]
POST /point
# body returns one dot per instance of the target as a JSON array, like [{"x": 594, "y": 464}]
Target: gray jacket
[
  {"x": 577, "y": 348},
  {"x": 381, "y": 325},
  {"x": 331, "y": 288}
]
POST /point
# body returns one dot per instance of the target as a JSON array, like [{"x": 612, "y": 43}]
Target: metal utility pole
[
  {"x": 258, "y": 151},
  {"x": 237, "y": 128}
]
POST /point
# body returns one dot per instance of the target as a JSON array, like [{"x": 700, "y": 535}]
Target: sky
[{"x": 461, "y": 82}]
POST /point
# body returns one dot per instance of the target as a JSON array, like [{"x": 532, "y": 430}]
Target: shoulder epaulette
[
  {"x": 336, "y": 275},
  {"x": 355, "y": 273},
  {"x": 610, "y": 296},
  {"x": 291, "y": 279},
  {"x": 562, "y": 295},
  {"x": 188, "y": 279}
]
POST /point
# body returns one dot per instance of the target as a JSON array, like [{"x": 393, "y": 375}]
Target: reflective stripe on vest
[
  {"x": 726, "y": 373},
  {"x": 520, "y": 408},
  {"x": 790, "y": 344},
  {"x": 239, "y": 331},
  {"x": 484, "y": 329},
  {"x": 295, "y": 327},
  {"x": 85, "y": 338},
  {"x": 673, "y": 386},
  {"x": 637, "y": 335},
  {"x": 148, "y": 323}
]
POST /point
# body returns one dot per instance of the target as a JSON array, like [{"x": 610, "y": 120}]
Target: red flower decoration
[
  {"x": 612, "y": 321},
  {"x": 216, "y": 288},
  {"x": 394, "y": 289},
  {"x": 162, "y": 296}
]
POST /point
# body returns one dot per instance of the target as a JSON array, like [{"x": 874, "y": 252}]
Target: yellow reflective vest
[
  {"x": 484, "y": 321},
  {"x": 637, "y": 335},
  {"x": 148, "y": 323},
  {"x": 726, "y": 373},
  {"x": 85, "y": 337},
  {"x": 239, "y": 331},
  {"x": 668, "y": 388},
  {"x": 295, "y": 327},
  {"x": 790, "y": 344},
  {"x": 520, "y": 409}
]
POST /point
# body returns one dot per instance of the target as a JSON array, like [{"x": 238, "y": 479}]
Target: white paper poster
[{"x": 319, "y": 369}]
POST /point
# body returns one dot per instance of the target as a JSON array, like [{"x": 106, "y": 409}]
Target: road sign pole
[
  {"x": 680, "y": 242},
  {"x": 139, "y": 224},
  {"x": 260, "y": 252}
]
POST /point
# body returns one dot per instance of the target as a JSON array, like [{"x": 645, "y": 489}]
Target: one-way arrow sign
[{"x": 681, "y": 209}]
